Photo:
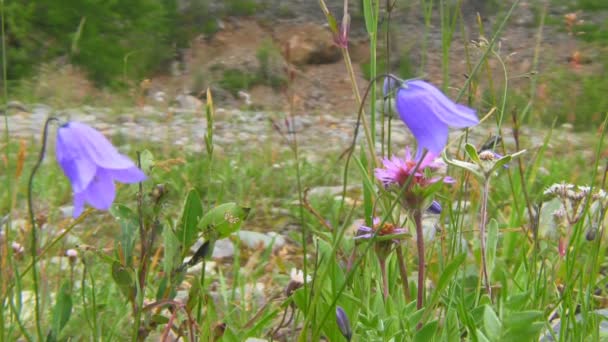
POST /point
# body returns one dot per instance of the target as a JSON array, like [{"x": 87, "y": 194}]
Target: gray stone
[{"x": 253, "y": 240}]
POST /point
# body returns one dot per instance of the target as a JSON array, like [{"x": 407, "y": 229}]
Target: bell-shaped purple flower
[
  {"x": 343, "y": 323},
  {"x": 428, "y": 113},
  {"x": 434, "y": 208},
  {"x": 92, "y": 164}
]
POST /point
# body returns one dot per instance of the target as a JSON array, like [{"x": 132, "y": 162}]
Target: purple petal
[
  {"x": 80, "y": 171},
  {"x": 94, "y": 146},
  {"x": 434, "y": 208},
  {"x": 390, "y": 85},
  {"x": 417, "y": 109},
  {"x": 78, "y": 204},
  {"x": 343, "y": 323},
  {"x": 127, "y": 176},
  {"x": 101, "y": 191},
  {"x": 451, "y": 113}
]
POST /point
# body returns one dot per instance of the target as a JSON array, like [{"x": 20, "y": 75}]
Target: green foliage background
[{"x": 112, "y": 40}]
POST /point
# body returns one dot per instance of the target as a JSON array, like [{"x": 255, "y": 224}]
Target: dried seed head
[{"x": 487, "y": 155}]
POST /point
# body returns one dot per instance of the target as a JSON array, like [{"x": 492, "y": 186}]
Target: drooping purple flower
[
  {"x": 92, "y": 164},
  {"x": 434, "y": 208},
  {"x": 386, "y": 231},
  {"x": 428, "y": 113},
  {"x": 396, "y": 171},
  {"x": 343, "y": 323}
]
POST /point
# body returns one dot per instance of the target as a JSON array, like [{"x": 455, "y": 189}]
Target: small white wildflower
[
  {"x": 297, "y": 276},
  {"x": 17, "y": 248}
]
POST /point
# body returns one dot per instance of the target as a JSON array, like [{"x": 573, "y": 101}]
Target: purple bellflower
[
  {"x": 434, "y": 208},
  {"x": 428, "y": 113},
  {"x": 92, "y": 164}
]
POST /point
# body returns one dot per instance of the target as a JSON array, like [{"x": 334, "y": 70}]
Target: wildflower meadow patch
[{"x": 489, "y": 231}]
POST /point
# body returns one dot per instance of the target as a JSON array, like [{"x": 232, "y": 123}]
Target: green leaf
[
  {"x": 451, "y": 331},
  {"x": 368, "y": 14},
  {"x": 491, "y": 324},
  {"x": 124, "y": 277},
  {"x": 500, "y": 163},
  {"x": 472, "y": 153},
  {"x": 449, "y": 272},
  {"x": 147, "y": 161},
  {"x": 480, "y": 336},
  {"x": 63, "y": 309},
  {"x": 172, "y": 255},
  {"x": 129, "y": 225},
  {"x": 473, "y": 168},
  {"x": 427, "y": 332},
  {"x": 333, "y": 24},
  {"x": 492, "y": 242},
  {"x": 524, "y": 324},
  {"x": 187, "y": 228},
  {"x": 224, "y": 220}
]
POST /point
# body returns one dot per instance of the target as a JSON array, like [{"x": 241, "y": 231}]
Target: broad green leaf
[
  {"x": 129, "y": 225},
  {"x": 500, "y": 163},
  {"x": 491, "y": 324},
  {"x": 473, "y": 168},
  {"x": 472, "y": 153},
  {"x": 125, "y": 279},
  {"x": 492, "y": 242},
  {"x": 523, "y": 322},
  {"x": 427, "y": 333},
  {"x": 147, "y": 161},
  {"x": 451, "y": 332},
  {"x": 224, "y": 219},
  {"x": 63, "y": 309},
  {"x": 187, "y": 231},
  {"x": 481, "y": 337},
  {"x": 172, "y": 255}
]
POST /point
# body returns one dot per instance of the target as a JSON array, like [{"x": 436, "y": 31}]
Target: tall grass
[{"x": 506, "y": 259}]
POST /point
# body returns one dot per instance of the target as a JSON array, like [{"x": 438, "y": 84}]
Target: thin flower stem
[
  {"x": 421, "y": 262},
  {"x": 382, "y": 261},
  {"x": 33, "y": 235},
  {"x": 482, "y": 234},
  {"x": 403, "y": 271},
  {"x": 8, "y": 183},
  {"x": 369, "y": 245}
]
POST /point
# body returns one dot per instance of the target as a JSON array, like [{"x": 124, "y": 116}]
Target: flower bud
[
  {"x": 72, "y": 255},
  {"x": 434, "y": 208},
  {"x": 343, "y": 323},
  {"x": 17, "y": 248}
]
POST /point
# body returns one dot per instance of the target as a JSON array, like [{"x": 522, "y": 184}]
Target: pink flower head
[
  {"x": 386, "y": 231},
  {"x": 396, "y": 171}
]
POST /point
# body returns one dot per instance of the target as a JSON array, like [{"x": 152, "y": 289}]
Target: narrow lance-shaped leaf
[
  {"x": 62, "y": 310},
  {"x": 187, "y": 230}
]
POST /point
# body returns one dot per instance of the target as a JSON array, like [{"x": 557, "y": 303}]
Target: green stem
[
  {"x": 482, "y": 234},
  {"x": 382, "y": 261},
  {"x": 421, "y": 262},
  {"x": 403, "y": 271},
  {"x": 33, "y": 235},
  {"x": 7, "y": 184}
]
